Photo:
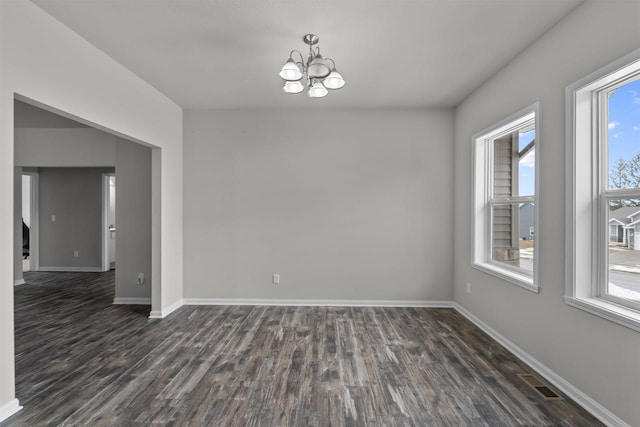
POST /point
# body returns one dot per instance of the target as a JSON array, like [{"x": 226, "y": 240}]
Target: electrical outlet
[
  {"x": 469, "y": 288},
  {"x": 53, "y": 218},
  {"x": 276, "y": 279},
  {"x": 140, "y": 278},
  {"x": 75, "y": 254}
]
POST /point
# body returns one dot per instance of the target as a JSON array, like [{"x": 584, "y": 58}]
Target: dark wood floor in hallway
[{"x": 81, "y": 361}]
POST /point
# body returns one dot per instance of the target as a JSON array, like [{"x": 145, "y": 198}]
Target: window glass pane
[
  {"x": 624, "y": 249},
  {"x": 514, "y": 164},
  {"x": 623, "y": 135},
  {"x": 525, "y": 137},
  {"x": 513, "y": 239},
  {"x": 527, "y": 173}
]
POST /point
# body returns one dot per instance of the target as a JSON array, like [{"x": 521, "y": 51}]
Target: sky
[
  {"x": 527, "y": 165},
  {"x": 624, "y": 122}
]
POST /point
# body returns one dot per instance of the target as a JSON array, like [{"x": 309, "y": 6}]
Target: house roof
[{"x": 624, "y": 214}]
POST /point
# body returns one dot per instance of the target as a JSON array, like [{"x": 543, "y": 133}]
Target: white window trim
[
  {"x": 481, "y": 191},
  {"x": 582, "y": 242}
]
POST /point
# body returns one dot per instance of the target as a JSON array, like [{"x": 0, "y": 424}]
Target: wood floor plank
[{"x": 82, "y": 361}]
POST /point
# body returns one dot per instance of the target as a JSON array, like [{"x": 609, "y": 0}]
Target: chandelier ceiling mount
[{"x": 311, "y": 39}]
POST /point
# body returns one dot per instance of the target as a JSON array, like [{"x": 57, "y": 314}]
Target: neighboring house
[
  {"x": 526, "y": 221},
  {"x": 623, "y": 225}
]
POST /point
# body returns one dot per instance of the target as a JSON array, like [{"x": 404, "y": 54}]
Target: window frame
[
  {"x": 588, "y": 192},
  {"x": 483, "y": 200}
]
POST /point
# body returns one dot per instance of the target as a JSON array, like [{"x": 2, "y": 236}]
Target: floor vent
[{"x": 543, "y": 389}]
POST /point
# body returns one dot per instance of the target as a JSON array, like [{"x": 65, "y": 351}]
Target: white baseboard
[
  {"x": 9, "y": 408},
  {"x": 597, "y": 410},
  {"x": 131, "y": 301},
  {"x": 19, "y": 282},
  {"x": 161, "y": 314},
  {"x": 317, "y": 303},
  {"x": 72, "y": 269}
]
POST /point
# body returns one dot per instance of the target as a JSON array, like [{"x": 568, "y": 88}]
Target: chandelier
[{"x": 317, "y": 73}]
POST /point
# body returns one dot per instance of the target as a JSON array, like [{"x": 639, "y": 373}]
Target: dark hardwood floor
[{"x": 81, "y": 361}]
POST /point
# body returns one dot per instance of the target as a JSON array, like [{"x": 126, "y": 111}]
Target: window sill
[
  {"x": 519, "y": 279},
  {"x": 607, "y": 310}
]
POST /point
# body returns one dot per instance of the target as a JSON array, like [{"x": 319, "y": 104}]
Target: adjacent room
[{"x": 327, "y": 213}]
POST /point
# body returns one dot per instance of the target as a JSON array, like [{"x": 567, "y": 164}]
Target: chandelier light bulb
[
  {"x": 334, "y": 80},
  {"x": 290, "y": 71},
  {"x": 293, "y": 87},
  {"x": 317, "y": 90},
  {"x": 318, "y": 67}
]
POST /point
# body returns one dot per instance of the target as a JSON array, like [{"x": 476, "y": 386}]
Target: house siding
[{"x": 503, "y": 216}]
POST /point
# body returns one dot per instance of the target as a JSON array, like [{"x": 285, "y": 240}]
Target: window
[
  {"x": 603, "y": 185},
  {"x": 505, "y": 209}
]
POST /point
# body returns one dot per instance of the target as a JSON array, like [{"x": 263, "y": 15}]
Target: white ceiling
[{"x": 392, "y": 53}]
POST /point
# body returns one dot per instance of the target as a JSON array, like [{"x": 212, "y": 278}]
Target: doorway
[
  {"x": 30, "y": 218},
  {"x": 82, "y": 215},
  {"x": 109, "y": 222}
]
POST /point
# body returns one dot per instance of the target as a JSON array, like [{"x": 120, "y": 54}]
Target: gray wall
[
  {"x": 74, "y": 196},
  {"x": 597, "y": 356},
  {"x": 133, "y": 213},
  {"x": 344, "y": 205},
  {"x": 81, "y": 147}
]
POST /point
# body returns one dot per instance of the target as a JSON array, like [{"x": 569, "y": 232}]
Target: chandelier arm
[
  {"x": 332, "y": 61},
  {"x": 298, "y": 52}
]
